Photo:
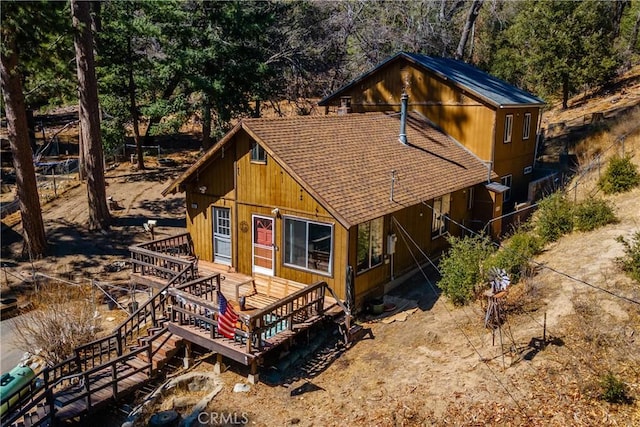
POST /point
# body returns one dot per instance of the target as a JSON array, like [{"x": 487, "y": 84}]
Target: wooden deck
[{"x": 186, "y": 305}]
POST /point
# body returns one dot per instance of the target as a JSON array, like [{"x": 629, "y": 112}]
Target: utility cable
[
  {"x": 539, "y": 264},
  {"x": 482, "y": 359}
]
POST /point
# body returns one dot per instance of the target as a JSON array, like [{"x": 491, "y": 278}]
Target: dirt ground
[{"x": 439, "y": 366}]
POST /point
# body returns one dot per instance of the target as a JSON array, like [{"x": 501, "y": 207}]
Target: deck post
[
  {"x": 188, "y": 360},
  {"x": 219, "y": 366},
  {"x": 114, "y": 380},
  {"x": 87, "y": 388},
  {"x": 253, "y": 377},
  {"x": 289, "y": 311},
  {"x": 119, "y": 342}
]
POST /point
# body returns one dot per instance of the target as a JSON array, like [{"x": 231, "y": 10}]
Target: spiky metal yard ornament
[{"x": 499, "y": 281}]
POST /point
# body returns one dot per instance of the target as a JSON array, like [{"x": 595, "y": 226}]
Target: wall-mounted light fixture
[
  {"x": 202, "y": 189},
  {"x": 194, "y": 206},
  {"x": 276, "y": 213}
]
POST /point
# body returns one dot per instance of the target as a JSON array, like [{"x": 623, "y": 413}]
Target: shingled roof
[
  {"x": 345, "y": 162},
  {"x": 492, "y": 90}
]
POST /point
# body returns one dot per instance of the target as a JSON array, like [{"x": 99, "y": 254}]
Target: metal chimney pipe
[{"x": 403, "y": 118}]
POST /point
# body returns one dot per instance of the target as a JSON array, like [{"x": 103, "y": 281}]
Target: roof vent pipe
[{"x": 403, "y": 118}]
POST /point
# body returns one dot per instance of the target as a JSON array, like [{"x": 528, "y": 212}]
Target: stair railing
[{"x": 101, "y": 352}]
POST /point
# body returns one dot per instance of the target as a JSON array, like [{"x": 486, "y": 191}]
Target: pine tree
[{"x": 89, "y": 112}]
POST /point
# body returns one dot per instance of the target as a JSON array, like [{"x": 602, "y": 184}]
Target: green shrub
[
  {"x": 461, "y": 267},
  {"x": 631, "y": 261},
  {"x": 514, "y": 256},
  {"x": 554, "y": 217},
  {"x": 621, "y": 175},
  {"x": 593, "y": 213},
  {"x": 614, "y": 390}
]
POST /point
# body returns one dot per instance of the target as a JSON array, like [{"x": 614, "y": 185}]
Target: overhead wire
[
  {"x": 466, "y": 336},
  {"x": 531, "y": 368},
  {"x": 530, "y": 259},
  {"x": 539, "y": 264}
]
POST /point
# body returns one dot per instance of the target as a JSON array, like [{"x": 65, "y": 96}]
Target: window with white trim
[
  {"x": 258, "y": 155},
  {"x": 441, "y": 209},
  {"x": 508, "y": 127},
  {"x": 308, "y": 244},
  {"x": 370, "y": 241},
  {"x": 506, "y": 181},
  {"x": 526, "y": 126}
]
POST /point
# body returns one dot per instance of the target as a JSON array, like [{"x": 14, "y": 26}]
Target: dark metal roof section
[{"x": 493, "y": 90}]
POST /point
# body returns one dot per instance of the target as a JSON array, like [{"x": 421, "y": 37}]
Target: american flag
[{"x": 227, "y": 318}]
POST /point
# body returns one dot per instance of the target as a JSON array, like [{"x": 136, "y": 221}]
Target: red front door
[{"x": 263, "y": 245}]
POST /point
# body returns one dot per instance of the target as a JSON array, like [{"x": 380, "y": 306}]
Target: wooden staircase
[
  {"x": 184, "y": 308},
  {"x": 107, "y": 369},
  {"x": 164, "y": 346}
]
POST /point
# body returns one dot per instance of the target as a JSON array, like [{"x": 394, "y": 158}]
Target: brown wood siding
[
  {"x": 416, "y": 220},
  {"x": 264, "y": 187},
  {"x": 213, "y": 186},
  {"x": 461, "y": 115},
  {"x": 511, "y": 158}
]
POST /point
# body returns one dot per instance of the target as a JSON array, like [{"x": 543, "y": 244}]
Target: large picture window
[
  {"x": 308, "y": 244},
  {"x": 370, "y": 240},
  {"x": 441, "y": 208}
]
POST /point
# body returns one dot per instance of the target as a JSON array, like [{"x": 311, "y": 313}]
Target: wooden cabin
[
  {"x": 498, "y": 122},
  {"x": 338, "y": 199}
]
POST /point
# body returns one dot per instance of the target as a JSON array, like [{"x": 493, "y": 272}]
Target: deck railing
[
  {"x": 178, "y": 245},
  {"x": 287, "y": 314},
  {"x": 149, "y": 263},
  {"x": 147, "y": 315},
  {"x": 114, "y": 371},
  {"x": 258, "y": 330},
  {"x": 103, "y": 351},
  {"x": 205, "y": 287}
]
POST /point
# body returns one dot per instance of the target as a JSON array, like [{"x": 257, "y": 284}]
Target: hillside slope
[{"x": 440, "y": 365}]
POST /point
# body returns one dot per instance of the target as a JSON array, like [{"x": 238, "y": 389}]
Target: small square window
[
  {"x": 258, "y": 155},
  {"x": 508, "y": 127}
]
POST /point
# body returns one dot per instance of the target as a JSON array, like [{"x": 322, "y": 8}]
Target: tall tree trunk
[
  {"x": 206, "y": 123},
  {"x": 618, "y": 10},
  {"x": 474, "y": 10},
  {"x": 133, "y": 108},
  {"x": 89, "y": 114},
  {"x": 35, "y": 243}
]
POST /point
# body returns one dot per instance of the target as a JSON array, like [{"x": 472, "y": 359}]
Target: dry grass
[
  {"x": 62, "y": 319},
  {"x": 593, "y": 152}
]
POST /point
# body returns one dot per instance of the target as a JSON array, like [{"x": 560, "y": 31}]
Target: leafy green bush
[
  {"x": 614, "y": 390},
  {"x": 515, "y": 254},
  {"x": 631, "y": 261},
  {"x": 554, "y": 217},
  {"x": 621, "y": 175},
  {"x": 593, "y": 213},
  {"x": 461, "y": 267}
]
